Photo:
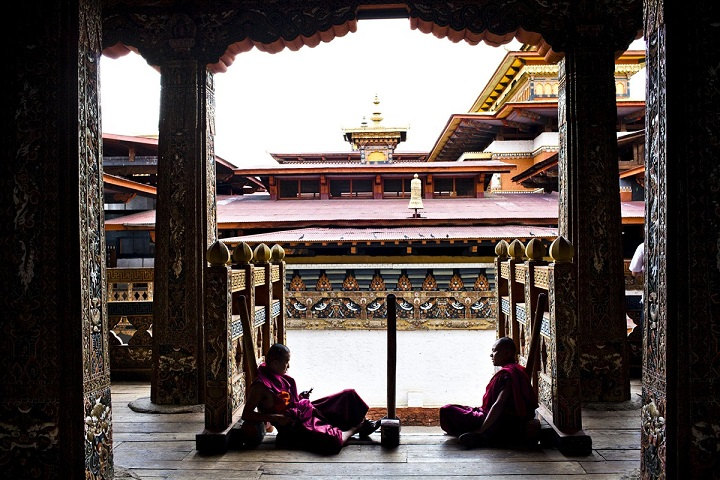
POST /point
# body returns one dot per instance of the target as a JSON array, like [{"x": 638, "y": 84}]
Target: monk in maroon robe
[
  {"x": 322, "y": 426},
  {"x": 508, "y": 405}
]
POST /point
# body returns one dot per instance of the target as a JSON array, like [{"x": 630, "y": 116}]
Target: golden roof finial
[{"x": 377, "y": 115}]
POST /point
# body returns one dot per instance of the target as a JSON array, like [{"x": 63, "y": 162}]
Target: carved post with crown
[{"x": 264, "y": 292}]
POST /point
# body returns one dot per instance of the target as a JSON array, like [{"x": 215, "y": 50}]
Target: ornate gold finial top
[
  {"x": 277, "y": 253},
  {"x": 516, "y": 249},
  {"x": 561, "y": 250},
  {"x": 377, "y": 115},
  {"x": 501, "y": 249},
  {"x": 535, "y": 249},
  {"x": 218, "y": 254},
  {"x": 262, "y": 253},
  {"x": 242, "y": 253}
]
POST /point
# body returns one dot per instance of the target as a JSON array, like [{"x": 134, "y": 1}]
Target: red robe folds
[
  {"x": 317, "y": 426},
  {"x": 458, "y": 419}
]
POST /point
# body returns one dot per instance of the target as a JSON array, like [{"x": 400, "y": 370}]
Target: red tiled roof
[{"x": 258, "y": 211}]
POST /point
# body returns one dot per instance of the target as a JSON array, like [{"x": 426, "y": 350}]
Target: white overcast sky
[{"x": 294, "y": 102}]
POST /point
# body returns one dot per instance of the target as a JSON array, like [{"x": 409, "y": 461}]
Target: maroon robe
[
  {"x": 318, "y": 425},
  {"x": 459, "y": 419}
]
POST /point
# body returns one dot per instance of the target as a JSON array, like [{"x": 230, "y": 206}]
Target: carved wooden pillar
[
  {"x": 185, "y": 226},
  {"x": 681, "y": 387},
  {"x": 589, "y": 214},
  {"x": 55, "y": 417}
]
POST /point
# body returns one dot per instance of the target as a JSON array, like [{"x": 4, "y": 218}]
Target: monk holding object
[
  {"x": 322, "y": 426},
  {"x": 508, "y": 406}
]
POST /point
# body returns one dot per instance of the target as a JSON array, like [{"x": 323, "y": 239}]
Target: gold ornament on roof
[{"x": 377, "y": 115}]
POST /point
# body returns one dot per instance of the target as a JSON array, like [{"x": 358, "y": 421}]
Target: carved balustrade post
[
  {"x": 218, "y": 339},
  {"x": 264, "y": 293},
  {"x": 534, "y": 251},
  {"x": 501, "y": 288},
  {"x": 559, "y": 386},
  {"x": 516, "y": 289},
  {"x": 277, "y": 254},
  {"x": 242, "y": 256}
]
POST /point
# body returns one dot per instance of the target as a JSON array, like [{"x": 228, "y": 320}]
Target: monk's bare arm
[
  {"x": 495, "y": 411},
  {"x": 256, "y": 395}
]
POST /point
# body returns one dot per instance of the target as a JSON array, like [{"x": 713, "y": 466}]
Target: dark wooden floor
[{"x": 162, "y": 446}]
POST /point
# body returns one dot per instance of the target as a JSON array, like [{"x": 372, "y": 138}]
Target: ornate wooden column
[
  {"x": 681, "y": 384},
  {"x": 185, "y": 226},
  {"x": 589, "y": 214},
  {"x": 55, "y": 417}
]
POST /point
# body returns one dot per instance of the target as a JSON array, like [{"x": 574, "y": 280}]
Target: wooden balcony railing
[
  {"x": 130, "y": 314},
  {"x": 229, "y": 291},
  {"x": 523, "y": 275},
  {"x": 367, "y": 309}
]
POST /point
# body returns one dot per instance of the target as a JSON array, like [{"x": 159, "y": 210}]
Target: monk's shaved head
[
  {"x": 277, "y": 351},
  {"x": 505, "y": 343}
]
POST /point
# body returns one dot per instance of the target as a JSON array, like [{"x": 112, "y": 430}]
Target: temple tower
[{"x": 376, "y": 143}]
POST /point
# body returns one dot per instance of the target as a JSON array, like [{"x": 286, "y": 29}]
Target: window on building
[
  {"x": 296, "y": 188},
  {"x": 351, "y": 187},
  {"x": 396, "y": 188},
  {"x": 454, "y": 187}
]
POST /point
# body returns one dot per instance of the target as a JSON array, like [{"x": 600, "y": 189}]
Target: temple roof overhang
[
  {"x": 353, "y": 157},
  {"x": 544, "y": 174},
  {"x": 517, "y": 64},
  {"x": 120, "y": 190},
  {"x": 474, "y": 132}
]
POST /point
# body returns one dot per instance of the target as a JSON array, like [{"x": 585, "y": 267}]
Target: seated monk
[
  {"x": 322, "y": 426},
  {"x": 508, "y": 405}
]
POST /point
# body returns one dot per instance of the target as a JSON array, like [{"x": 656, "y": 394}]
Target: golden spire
[{"x": 377, "y": 115}]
